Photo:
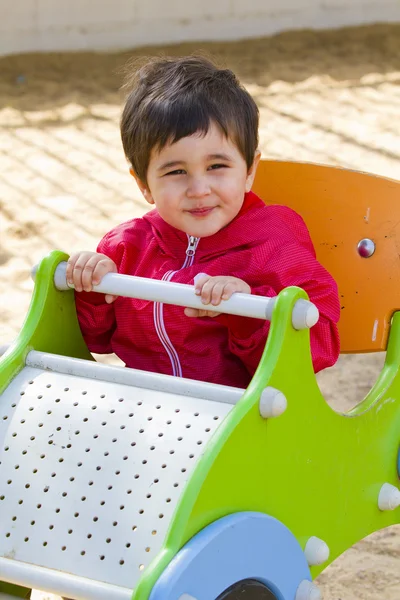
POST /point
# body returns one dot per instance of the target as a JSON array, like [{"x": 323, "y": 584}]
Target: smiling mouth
[{"x": 201, "y": 212}]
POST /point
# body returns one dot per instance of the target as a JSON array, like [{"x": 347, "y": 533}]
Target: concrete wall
[{"x": 47, "y": 25}]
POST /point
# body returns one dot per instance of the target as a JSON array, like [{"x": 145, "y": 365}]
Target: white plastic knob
[
  {"x": 389, "y": 497},
  {"x": 307, "y": 590},
  {"x": 34, "y": 271},
  {"x": 272, "y": 403},
  {"x": 60, "y": 277},
  {"x": 304, "y": 315},
  {"x": 186, "y": 597},
  {"x": 316, "y": 551}
]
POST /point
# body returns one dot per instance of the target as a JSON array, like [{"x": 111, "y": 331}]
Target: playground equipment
[{"x": 116, "y": 483}]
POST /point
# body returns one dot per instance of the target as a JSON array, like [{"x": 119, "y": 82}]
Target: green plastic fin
[
  {"x": 316, "y": 471},
  {"x": 15, "y": 590},
  {"x": 51, "y": 324}
]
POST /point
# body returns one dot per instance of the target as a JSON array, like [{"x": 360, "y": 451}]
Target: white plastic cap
[
  {"x": 316, "y": 551},
  {"x": 272, "y": 403},
  {"x": 389, "y": 497},
  {"x": 307, "y": 590},
  {"x": 60, "y": 277},
  {"x": 186, "y": 597},
  {"x": 305, "y": 314},
  {"x": 34, "y": 271}
]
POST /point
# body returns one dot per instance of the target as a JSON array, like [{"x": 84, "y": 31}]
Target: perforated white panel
[{"x": 91, "y": 471}]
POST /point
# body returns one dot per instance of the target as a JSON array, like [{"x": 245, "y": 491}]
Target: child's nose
[{"x": 198, "y": 187}]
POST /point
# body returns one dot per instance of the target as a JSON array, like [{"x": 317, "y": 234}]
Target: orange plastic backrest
[{"x": 341, "y": 208}]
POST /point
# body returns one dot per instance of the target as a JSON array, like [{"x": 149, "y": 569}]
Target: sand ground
[{"x": 329, "y": 97}]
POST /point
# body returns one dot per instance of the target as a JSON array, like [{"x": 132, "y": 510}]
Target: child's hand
[
  {"x": 214, "y": 289},
  {"x": 87, "y": 269}
]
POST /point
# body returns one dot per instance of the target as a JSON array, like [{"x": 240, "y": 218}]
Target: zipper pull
[{"x": 191, "y": 249}]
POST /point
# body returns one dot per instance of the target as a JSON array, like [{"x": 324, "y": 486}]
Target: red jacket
[{"x": 269, "y": 247}]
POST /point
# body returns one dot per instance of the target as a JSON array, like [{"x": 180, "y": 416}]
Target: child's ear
[
  {"x": 252, "y": 171},
  {"x": 142, "y": 187}
]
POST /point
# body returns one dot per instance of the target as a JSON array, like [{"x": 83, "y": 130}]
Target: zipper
[
  {"x": 191, "y": 249},
  {"x": 158, "y": 309}
]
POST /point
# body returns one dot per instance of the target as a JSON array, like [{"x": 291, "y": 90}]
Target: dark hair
[{"x": 171, "y": 98}]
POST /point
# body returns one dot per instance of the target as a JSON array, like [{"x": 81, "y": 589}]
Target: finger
[
  {"x": 79, "y": 266},
  {"x": 217, "y": 292},
  {"x": 207, "y": 313},
  {"x": 87, "y": 273},
  {"x": 195, "y": 312},
  {"x": 110, "y": 298},
  {"x": 230, "y": 288},
  {"x": 206, "y": 290},
  {"x": 199, "y": 281},
  {"x": 102, "y": 267},
  {"x": 70, "y": 267},
  {"x": 191, "y": 312}
]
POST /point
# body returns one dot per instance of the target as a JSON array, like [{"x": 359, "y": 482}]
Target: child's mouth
[{"x": 201, "y": 212}]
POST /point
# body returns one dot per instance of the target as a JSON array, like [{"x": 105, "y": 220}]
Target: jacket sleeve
[
  {"x": 97, "y": 318},
  {"x": 293, "y": 264}
]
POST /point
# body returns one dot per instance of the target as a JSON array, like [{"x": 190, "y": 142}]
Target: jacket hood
[{"x": 243, "y": 231}]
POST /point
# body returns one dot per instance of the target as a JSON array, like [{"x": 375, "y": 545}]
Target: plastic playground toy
[{"x": 119, "y": 484}]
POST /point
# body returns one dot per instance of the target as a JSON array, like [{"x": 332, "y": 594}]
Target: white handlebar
[{"x": 305, "y": 314}]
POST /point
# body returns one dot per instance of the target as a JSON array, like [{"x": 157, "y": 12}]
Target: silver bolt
[{"x": 366, "y": 248}]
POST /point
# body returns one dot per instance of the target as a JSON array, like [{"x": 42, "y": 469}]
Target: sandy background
[{"x": 330, "y": 97}]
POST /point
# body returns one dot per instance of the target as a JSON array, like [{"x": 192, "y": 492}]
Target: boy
[{"x": 190, "y": 133}]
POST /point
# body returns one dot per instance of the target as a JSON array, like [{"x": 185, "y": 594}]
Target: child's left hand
[{"x": 214, "y": 289}]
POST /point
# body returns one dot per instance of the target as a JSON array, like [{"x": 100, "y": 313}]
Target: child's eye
[
  {"x": 176, "y": 172},
  {"x": 217, "y": 166}
]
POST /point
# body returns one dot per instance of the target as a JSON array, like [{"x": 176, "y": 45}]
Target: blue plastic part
[{"x": 244, "y": 545}]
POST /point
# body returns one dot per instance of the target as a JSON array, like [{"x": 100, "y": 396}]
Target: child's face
[{"x": 198, "y": 183}]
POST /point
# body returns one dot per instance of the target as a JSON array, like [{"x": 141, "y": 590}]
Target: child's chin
[{"x": 204, "y": 232}]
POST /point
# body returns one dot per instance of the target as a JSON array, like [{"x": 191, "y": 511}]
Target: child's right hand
[{"x": 87, "y": 269}]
